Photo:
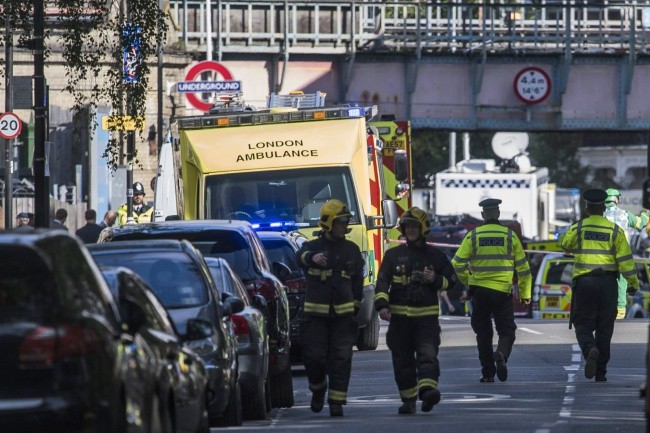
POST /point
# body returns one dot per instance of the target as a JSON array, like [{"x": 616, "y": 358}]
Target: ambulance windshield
[{"x": 282, "y": 196}]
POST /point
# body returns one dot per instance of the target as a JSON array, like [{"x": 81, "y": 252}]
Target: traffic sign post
[
  {"x": 10, "y": 126},
  {"x": 532, "y": 85}
]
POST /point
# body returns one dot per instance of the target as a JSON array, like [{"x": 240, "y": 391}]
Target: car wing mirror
[
  {"x": 281, "y": 271},
  {"x": 235, "y": 304},
  {"x": 198, "y": 329},
  {"x": 259, "y": 302}
]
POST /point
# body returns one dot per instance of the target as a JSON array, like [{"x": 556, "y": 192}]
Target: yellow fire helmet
[
  {"x": 332, "y": 209},
  {"x": 419, "y": 216}
]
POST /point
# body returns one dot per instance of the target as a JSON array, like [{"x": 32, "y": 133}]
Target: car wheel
[
  {"x": 369, "y": 335},
  {"x": 282, "y": 388},
  {"x": 255, "y": 408},
  {"x": 233, "y": 414}
]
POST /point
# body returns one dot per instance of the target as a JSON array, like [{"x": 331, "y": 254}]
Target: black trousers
[
  {"x": 414, "y": 344},
  {"x": 327, "y": 353},
  {"x": 488, "y": 304},
  {"x": 595, "y": 299}
]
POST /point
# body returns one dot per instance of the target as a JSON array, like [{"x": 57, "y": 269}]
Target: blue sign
[
  {"x": 131, "y": 53},
  {"x": 208, "y": 86}
]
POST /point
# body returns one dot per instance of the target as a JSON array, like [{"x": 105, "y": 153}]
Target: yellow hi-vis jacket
[
  {"x": 599, "y": 245},
  {"x": 145, "y": 215},
  {"x": 489, "y": 256}
]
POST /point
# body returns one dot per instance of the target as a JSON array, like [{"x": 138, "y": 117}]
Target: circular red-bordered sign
[
  {"x": 532, "y": 85},
  {"x": 10, "y": 126},
  {"x": 207, "y": 65}
]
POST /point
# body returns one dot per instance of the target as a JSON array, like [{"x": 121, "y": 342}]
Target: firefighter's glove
[
  {"x": 429, "y": 275},
  {"x": 631, "y": 291}
]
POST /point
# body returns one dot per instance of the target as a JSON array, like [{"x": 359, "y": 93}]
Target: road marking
[
  {"x": 567, "y": 402},
  {"x": 531, "y": 331}
]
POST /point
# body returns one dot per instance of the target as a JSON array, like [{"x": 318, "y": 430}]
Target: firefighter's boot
[
  {"x": 408, "y": 408},
  {"x": 318, "y": 399},
  {"x": 336, "y": 409},
  {"x": 430, "y": 398}
]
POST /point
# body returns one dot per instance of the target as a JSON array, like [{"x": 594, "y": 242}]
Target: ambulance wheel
[{"x": 369, "y": 335}]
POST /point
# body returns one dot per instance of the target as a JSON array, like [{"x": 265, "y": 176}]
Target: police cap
[
  {"x": 23, "y": 215},
  {"x": 490, "y": 203},
  {"x": 594, "y": 196},
  {"x": 138, "y": 188}
]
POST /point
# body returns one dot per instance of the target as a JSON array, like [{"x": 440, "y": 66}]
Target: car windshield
[
  {"x": 294, "y": 196},
  {"x": 173, "y": 277},
  {"x": 26, "y": 285}
]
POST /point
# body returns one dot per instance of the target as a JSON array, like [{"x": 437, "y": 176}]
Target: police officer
[
  {"x": 334, "y": 268},
  {"x": 624, "y": 220},
  {"x": 601, "y": 253},
  {"x": 141, "y": 212},
  {"x": 486, "y": 262},
  {"x": 407, "y": 296}
]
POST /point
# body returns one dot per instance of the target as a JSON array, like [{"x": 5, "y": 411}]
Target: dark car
[
  {"x": 282, "y": 247},
  {"x": 66, "y": 365},
  {"x": 252, "y": 339},
  {"x": 237, "y": 243},
  {"x": 179, "y": 277},
  {"x": 176, "y": 398}
]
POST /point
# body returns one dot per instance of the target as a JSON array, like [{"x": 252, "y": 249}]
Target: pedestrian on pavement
[
  {"x": 109, "y": 219},
  {"x": 22, "y": 223},
  {"x": 59, "y": 219},
  {"x": 601, "y": 253},
  {"x": 486, "y": 261},
  {"x": 90, "y": 232},
  {"x": 141, "y": 213},
  {"x": 625, "y": 220},
  {"x": 408, "y": 282},
  {"x": 334, "y": 268}
]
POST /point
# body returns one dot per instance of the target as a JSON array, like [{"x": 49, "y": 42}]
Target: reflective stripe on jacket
[
  {"x": 599, "y": 245},
  {"x": 395, "y": 283},
  {"x": 489, "y": 256}
]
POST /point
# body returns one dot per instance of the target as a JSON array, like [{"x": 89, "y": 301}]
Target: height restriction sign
[
  {"x": 10, "y": 126},
  {"x": 532, "y": 85}
]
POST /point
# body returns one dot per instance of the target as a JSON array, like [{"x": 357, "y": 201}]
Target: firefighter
[
  {"x": 407, "y": 296},
  {"x": 624, "y": 220},
  {"x": 334, "y": 268},
  {"x": 141, "y": 212},
  {"x": 486, "y": 262},
  {"x": 601, "y": 253}
]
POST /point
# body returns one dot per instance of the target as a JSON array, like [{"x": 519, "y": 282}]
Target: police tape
[{"x": 443, "y": 245}]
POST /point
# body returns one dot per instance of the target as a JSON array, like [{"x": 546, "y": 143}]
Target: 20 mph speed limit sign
[
  {"x": 532, "y": 85},
  {"x": 10, "y": 126}
]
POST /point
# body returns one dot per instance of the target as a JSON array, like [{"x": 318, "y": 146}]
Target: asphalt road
[{"x": 546, "y": 391}]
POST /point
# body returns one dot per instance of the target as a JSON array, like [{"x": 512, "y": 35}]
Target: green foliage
[{"x": 89, "y": 34}]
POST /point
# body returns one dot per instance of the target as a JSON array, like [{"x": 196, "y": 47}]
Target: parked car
[
  {"x": 282, "y": 247},
  {"x": 237, "y": 243},
  {"x": 252, "y": 339},
  {"x": 66, "y": 364},
  {"x": 176, "y": 396},
  {"x": 179, "y": 277},
  {"x": 552, "y": 288}
]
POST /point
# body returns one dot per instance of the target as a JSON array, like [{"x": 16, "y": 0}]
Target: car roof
[
  {"x": 8, "y": 237},
  {"x": 153, "y": 244},
  {"x": 183, "y": 225}
]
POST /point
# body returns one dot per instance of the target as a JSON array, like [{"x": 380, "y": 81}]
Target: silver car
[{"x": 252, "y": 339}]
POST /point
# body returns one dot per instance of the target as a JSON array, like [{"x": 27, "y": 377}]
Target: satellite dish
[{"x": 507, "y": 145}]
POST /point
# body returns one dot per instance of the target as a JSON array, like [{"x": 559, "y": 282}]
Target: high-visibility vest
[
  {"x": 598, "y": 244},
  {"x": 143, "y": 217},
  {"x": 489, "y": 256}
]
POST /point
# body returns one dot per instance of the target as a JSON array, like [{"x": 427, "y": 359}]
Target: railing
[{"x": 329, "y": 27}]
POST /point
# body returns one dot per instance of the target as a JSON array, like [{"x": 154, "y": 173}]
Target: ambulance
[{"x": 275, "y": 167}]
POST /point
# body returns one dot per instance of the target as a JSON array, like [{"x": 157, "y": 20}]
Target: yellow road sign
[{"x": 121, "y": 123}]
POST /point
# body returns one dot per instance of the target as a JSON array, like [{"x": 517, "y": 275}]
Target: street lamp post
[
  {"x": 41, "y": 181},
  {"x": 9, "y": 166}
]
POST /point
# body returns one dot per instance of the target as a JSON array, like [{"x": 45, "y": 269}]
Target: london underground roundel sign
[
  {"x": 532, "y": 85},
  {"x": 196, "y": 70}
]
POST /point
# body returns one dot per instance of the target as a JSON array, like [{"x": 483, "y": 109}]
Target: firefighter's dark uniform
[
  {"x": 486, "y": 262},
  {"x": 601, "y": 253},
  {"x": 329, "y": 331},
  {"x": 413, "y": 335}
]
